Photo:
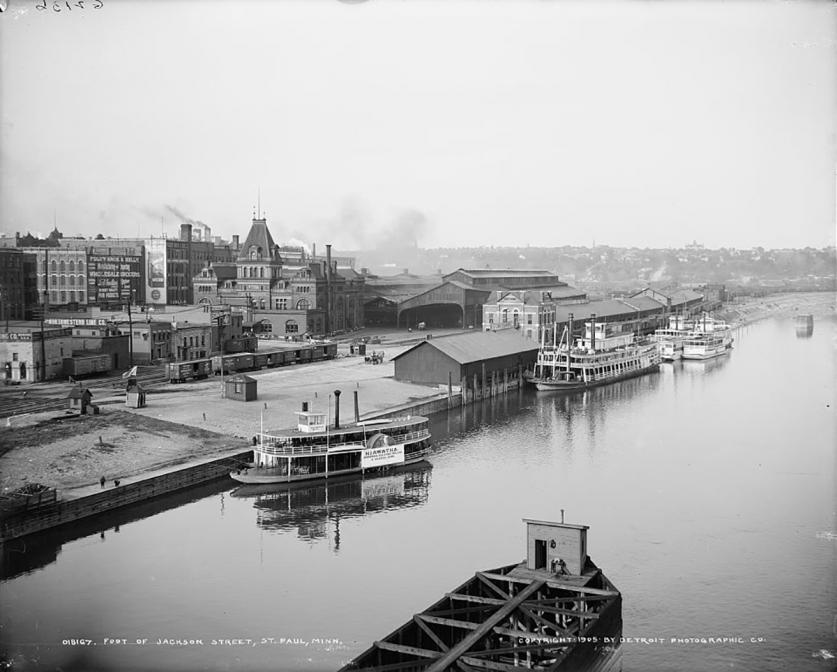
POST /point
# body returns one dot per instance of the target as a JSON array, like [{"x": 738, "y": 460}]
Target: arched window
[
  {"x": 81, "y": 267},
  {"x": 62, "y": 267},
  {"x": 72, "y": 266},
  {"x": 302, "y": 304},
  {"x": 253, "y": 252},
  {"x": 54, "y": 266},
  {"x": 261, "y": 272},
  {"x": 53, "y": 281},
  {"x": 505, "y": 315},
  {"x": 72, "y": 281},
  {"x": 81, "y": 297},
  {"x": 291, "y": 327},
  {"x": 261, "y": 304}
]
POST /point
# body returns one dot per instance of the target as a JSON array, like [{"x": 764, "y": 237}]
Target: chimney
[
  {"x": 357, "y": 408},
  {"x": 336, "y": 409},
  {"x": 304, "y": 406},
  {"x": 313, "y": 250},
  {"x": 235, "y": 242},
  {"x": 328, "y": 289},
  {"x": 186, "y": 232}
]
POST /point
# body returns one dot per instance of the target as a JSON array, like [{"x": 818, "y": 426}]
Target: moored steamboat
[
  {"x": 604, "y": 355},
  {"x": 317, "y": 449}
]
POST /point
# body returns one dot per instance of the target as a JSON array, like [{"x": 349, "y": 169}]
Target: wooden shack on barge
[{"x": 555, "y": 611}]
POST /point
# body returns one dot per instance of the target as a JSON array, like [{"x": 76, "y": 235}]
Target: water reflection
[
  {"x": 309, "y": 509},
  {"x": 27, "y": 554},
  {"x": 706, "y": 366}
]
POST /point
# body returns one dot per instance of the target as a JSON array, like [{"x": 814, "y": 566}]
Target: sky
[{"x": 454, "y": 123}]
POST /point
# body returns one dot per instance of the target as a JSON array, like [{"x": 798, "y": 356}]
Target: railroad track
[{"x": 51, "y": 396}]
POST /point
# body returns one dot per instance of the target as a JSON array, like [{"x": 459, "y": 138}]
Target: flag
[{"x": 130, "y": 374}]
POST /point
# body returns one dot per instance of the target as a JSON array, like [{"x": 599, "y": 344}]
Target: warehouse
[{"x": 478, "y": 359}]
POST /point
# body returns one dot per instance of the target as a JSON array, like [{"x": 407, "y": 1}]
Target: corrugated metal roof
[{"x": 476, "y": 346}]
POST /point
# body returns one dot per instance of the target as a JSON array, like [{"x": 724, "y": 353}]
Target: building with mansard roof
[{"x": 283, "y": 296}]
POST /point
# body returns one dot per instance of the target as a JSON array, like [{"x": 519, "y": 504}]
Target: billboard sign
[
  {"x": 155, "y": 276},
  {"x": 113, "y": 278}
]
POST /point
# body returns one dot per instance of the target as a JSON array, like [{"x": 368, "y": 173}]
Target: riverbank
[{"x": 747, "y": 310}]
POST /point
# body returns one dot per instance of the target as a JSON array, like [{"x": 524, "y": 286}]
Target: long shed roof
[{"x": 477, "y": 346}]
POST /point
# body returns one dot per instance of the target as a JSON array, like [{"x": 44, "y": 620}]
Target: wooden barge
[{"x": 555, "y": 611}]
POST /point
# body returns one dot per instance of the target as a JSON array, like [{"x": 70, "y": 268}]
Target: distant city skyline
[{"x": 438, "y": 124}]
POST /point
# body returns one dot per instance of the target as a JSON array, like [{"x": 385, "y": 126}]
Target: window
[
  {"x": 529, "y": 318},
  {"x": 261, "y": 304},
  {"x": 291, "y": 327},
  {"x": 302, "y": 304},
  {"x": 63, "y": 296},
  {"x": 72, "y": 281},
  {"x": 281, "y": 304},
  {"x": 62, "y": 267},
  {"x": 72, "y": 266},
  {"x": 261, "y": 272},
  {"x": 14, "y": 356},
  {"x": 81, "y": 267},
  {"x": 239, "y": 387},
  {"x": 53, "y": 281},
  {"x": 54, "y": 266}
]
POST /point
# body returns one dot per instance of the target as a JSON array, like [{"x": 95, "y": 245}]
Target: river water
[{"x": 709, "y": 489}]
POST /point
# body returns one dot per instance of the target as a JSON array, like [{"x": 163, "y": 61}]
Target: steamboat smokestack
[
  {"x": 357, "y": 408},
  {"x": 336, "y": 409},
  {"x": 593, "y": 332},
  {"x": 304, "y": 406}
]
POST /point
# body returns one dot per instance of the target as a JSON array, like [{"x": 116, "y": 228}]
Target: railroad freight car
[
  {"x": 88, "y": 365},
  {"x": 244, "y": 361},
  {"x": 195, "y": 369}
]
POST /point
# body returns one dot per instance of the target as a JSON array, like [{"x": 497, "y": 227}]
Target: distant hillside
[{"x": 806, "y": 268}]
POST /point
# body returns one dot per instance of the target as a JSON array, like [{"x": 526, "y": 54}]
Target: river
[{"x": 709, "y": 489}]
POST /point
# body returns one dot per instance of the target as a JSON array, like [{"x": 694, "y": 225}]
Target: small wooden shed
[
  {"x": 134, "y": 394},
  {"x": 80, "y": 399},
  {"x": 241, "y": 388}
]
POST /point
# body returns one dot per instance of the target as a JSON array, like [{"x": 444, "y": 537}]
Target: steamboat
[
  {"x": 605, "y": 354},
  {"x": 315, "y": 448},
  {"x": 711, "y": 338}
]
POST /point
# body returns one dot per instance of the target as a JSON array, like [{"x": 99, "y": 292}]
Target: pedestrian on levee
[{"x": 102, "y": 481}]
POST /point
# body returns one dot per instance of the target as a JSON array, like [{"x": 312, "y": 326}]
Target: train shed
[{"x": 478, "y": 360}]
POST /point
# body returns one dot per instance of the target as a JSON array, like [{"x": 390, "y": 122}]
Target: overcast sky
[{"x": 501, "y": 123}]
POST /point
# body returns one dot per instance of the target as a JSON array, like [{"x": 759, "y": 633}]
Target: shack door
[{"x": 540, "y": 554}]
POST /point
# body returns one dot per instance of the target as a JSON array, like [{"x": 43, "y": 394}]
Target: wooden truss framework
[{"x": 498, "y": 620}]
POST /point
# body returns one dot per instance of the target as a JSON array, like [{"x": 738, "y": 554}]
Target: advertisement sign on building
[
  {"x": 381, "y": 456},
  {"x": 155, "y": 276},
  {"x": 113, "y": 278}
]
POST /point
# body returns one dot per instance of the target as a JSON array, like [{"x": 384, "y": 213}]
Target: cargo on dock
[{"x": 554, "y": 611}]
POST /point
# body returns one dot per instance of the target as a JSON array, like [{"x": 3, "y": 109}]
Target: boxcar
[
  {"x": 233, "y": 363},
  {"x": 191, "y": 370}
]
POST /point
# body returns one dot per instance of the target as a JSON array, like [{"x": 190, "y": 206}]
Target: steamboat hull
[
  {"x": 557, "y": 385},
  {"x": 259, "y": 476}
]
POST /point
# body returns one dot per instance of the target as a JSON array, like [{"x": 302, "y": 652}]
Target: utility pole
[
  {"x": 131, "y": 330},
  {"x": 43, "y": 313}
]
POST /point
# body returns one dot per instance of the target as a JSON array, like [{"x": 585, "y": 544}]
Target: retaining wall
[{"x": 70, "y": 510}]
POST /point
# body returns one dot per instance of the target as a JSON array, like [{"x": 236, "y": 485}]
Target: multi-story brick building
[
  {"x": 12, "y": 291},
  {"x": 283, "y": 297},
  {"x": 30, "y": 354}
]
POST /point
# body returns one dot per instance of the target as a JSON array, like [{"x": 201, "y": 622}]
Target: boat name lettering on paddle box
[{"x": 378, "y": 457}]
